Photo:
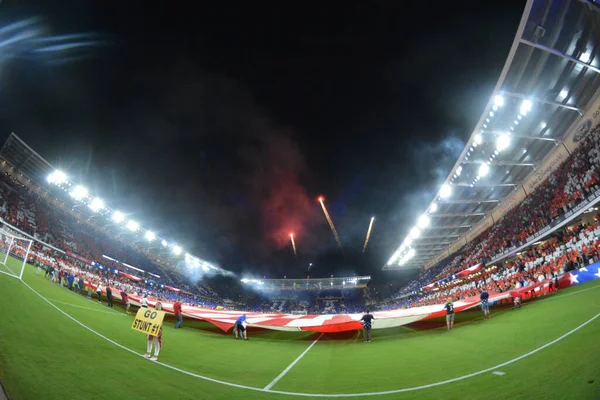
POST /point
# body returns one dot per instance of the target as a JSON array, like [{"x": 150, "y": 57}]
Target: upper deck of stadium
[{"x": 546, "y": 98}]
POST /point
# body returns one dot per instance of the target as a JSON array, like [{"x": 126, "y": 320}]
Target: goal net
[{"x": 14, "y": 252}]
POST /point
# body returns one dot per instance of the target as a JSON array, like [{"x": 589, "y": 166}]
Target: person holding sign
[{"x": 156, "y": 340}]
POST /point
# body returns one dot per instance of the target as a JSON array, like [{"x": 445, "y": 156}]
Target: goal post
[{"x": 14, "y": 253}]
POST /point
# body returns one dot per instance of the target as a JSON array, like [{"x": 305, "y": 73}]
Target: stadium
[{"x": 517, "y": 217}]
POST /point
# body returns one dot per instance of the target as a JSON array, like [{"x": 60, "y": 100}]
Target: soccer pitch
[{"x": 55, "y": 344}]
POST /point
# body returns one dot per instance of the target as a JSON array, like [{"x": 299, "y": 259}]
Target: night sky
[{"x": 219, "y": 126}]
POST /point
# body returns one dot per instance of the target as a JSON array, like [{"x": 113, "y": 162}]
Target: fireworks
[
  {"x": 368, "y": 234},
  {"x": 335, "y": 234},
  {"x": 293, "y": 244}
]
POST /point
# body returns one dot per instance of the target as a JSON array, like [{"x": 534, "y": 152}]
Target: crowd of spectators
[{"x": 575, "y": 179}]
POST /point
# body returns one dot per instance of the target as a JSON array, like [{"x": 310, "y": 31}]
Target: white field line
[
  {"x": 285, "y": 371},
  {"x": 85, "y": 308}
]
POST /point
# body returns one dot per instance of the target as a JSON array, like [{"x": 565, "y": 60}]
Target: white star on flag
[
  {"x": 573, "y": 278},
  {"x": 583, "y": 269}
]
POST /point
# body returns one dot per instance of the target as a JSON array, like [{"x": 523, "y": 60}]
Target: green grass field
[{"x": 44, "y": 354}]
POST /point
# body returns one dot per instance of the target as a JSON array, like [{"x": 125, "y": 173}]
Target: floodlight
[
  {"x": 483, "y": 170},
  {"x": 150, "y": 236},
  {"x": 204, "y": 268},
  {"x": 57, "y": 177},
  {"x": 415, "y": 232},
  {"x": 433, "y": 208},
  {"x": 423, "y": 221},
  {"x": 118, "y": 217},
  {"x": 543, "y": 124},
  {"x": 79, "y": 192},
  {"x": 133, "y": 226},
  {"x": 502, "y": 142},
  {"x": 411, "y": 253},
  {"x": 585, "y": 57},
  {"x": 491, "y": 113},
  {"x": 407, "y": 241},
  {"x": 96, "y": 204},
  {"x": 177, "y": 250},
  {"x": 498, "y": 100},
  {"x": 563, "y": 94},
  {"x": 458, "y": 171},
  {"x": 164, "y": 243},
  {"x": 445, "y": 191}
]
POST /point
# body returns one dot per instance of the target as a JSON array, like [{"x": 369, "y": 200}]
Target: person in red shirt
[{"x": 177, "y": 311}]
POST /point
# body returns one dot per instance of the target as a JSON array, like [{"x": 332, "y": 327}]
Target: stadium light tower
[
  {"x": 57, "y": 177},
  {"x": 502, "y": 142},
  {"x": 79, "y": 192},
  {"x": 445, "y": 191},
  {"x": 498, "y": 100},
  {"x": 423, "y": 221},
  {"x": 164, "y": 243},
  {"x": 415, "y": 232},
  {"x": 483, "y": 170},
  {"x": 177, "y": 250},
  {"x": 118, "y": 217},
  {"x": 150, "y": 236},
  {"x": 96, "y": 204},
  {"x": 133, "y": 225}
]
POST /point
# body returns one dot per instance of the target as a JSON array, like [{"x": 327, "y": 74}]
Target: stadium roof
[
  {"x": 551, "y": 78},
  {"x": 27, "y": 163}
]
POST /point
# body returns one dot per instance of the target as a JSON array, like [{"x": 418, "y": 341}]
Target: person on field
[
  {"x": 125, "y": 299},
  {"x": 485, "y": 306},
  {"x": 367, "y": 321},
  {"x": 240, "y": 327},
  {"x": 154, "y": 340},
  {"x": 144, "y": 301},
  {"x": 177, "y": 311},
  {"x": 81, "y": 284},
  {"x": 109, "y": 296},
  {"x": 449, "y": 307},
  {"x": 99, "y": 292}
]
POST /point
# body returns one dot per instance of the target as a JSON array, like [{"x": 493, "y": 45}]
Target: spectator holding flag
[
  {"x": 125, "y": 299},
  {"x": 177, "y": 311},
  {"x": 367, "y": 321},
  {"x": 240, "y": 327},
  {"x": 449, "y": 307},
  {"x": 485, "y": 306}
]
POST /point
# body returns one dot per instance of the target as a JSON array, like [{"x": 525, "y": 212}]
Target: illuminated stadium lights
[
  {"x": 498, "y": 100},
  {"x": 502, "y": 142},
  {"x": 407, "y": 241},
  {"x": 118, "y": 217},
  {"x": 79, "y": 192},
  {"x": 164, "y": 243},
  {"x": 415, "y": 232},
  {"x": 150, "y": 236},
  {"x": 96, "y": 204},
  {"x": 433, "y": 208},
  {"x": 423, "y": 221},
  {"x": 491, "y": 113},
  {"x": 391, "y": 260},
  {"x": 495, "y": 107},
  {"x": 526, "y": 106},
  {"x": 133, "y": 226},
  {"x": 445, "y": 191},
  {"x": 563, "y": 94},
  {"x": 57, "y": 177},
  {"x": 585, "y": 57},
  {"x": 177, "y": 250},
  {"x": 204, "y": 267},
  {"x": 483, "y": 170},
  {"x": 458, "y": 170},
  {"x": 543, "y": 124}
]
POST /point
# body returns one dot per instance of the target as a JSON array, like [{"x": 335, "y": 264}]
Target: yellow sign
[{"x": 148, "y": 321}]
